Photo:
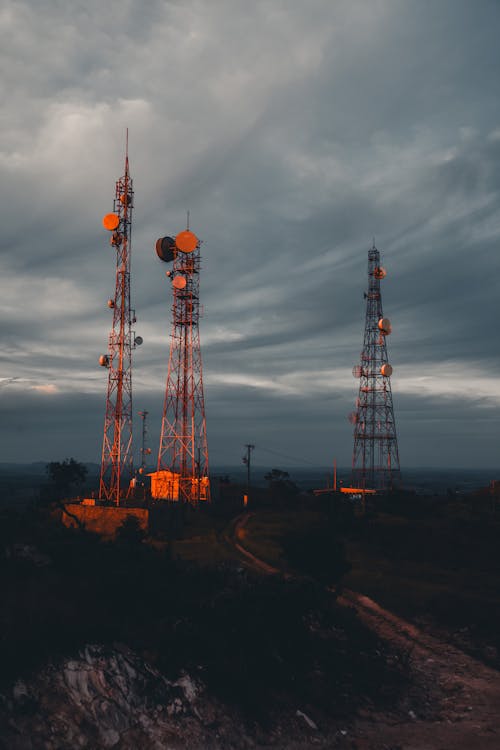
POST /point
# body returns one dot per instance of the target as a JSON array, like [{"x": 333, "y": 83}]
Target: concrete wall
[{"x": 102, "y": 520}]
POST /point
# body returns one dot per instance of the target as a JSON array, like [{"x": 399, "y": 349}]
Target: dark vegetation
[
  {"x": 260, "y": 643},
  {"x": 181, "y": 600},
  {"x": 436, "y": 560},
  {"x": 66, "y": 476}
]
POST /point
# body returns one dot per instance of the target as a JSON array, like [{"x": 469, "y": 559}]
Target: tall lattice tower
[
  {"x": 183, "y": 453},
  {"x": 375, "y": 460},
  {"x": 117, "y": 458}
]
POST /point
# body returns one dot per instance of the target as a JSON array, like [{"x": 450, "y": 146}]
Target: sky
[{"x": 295, "y": 133}]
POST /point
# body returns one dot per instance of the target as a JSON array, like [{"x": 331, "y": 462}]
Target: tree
[
  {"x": 280, "y": 484},
  {"x": 66, "y": 474},
  {"x": 276, "y": 476}
]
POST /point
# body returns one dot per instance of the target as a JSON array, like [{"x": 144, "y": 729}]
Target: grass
[
  {"x": 447, "y": 570},
  {"x": 259, "y": 643},
  {"x": 204, "y": 549},
  {"x": 266, "y": 530}
]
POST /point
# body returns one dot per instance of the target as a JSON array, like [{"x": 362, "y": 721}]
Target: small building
[{"x": 165, "y": 485}]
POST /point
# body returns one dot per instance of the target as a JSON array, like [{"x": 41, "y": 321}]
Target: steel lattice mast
[
  {"x": 117, "y": 457},
  {"x": 375, "y": 460},
  {"x": 183, "y": 450}
]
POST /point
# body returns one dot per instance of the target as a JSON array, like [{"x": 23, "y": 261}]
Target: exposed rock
[{"x": 107, "y": 698}]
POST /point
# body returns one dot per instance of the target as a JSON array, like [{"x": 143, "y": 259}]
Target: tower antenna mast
[
  {"x": 183, "y": 452},
  {"x": 144, "y": 451},
  {"x": 375, "y": 460},
  {"x": 117, "y": 458}
]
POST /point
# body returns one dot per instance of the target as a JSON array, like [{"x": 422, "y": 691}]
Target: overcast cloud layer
[{"x": 295, "y": 132}]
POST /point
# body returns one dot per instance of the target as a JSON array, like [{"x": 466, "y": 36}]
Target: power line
[{"x": 284, "y": 455}]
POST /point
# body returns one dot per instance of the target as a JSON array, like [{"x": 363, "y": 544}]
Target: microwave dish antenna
[
  {"x": 111, "y": 222},
  {"x": 186, "y": 241},
  {"x": 165, "y": 249}
]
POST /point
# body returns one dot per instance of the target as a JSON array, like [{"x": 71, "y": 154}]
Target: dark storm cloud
[{"x": 294, "y": 134}]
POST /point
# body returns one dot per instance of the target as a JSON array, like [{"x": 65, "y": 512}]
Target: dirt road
[
  {"x": 457, "y": 698},
  {"x": 454, "y": 703}
]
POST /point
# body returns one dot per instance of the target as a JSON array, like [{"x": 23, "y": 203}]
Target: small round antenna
[
  {"x": 384, "y": 326},
  {"x": 179, "y": 282}
]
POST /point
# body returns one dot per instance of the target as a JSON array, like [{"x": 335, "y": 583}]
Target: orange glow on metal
[
  {"x": 166, "y": 485},
  {"x": 186, "y": 241},
  {"x": 110, "y": 222},
  {"x": 357, "y": 491}
]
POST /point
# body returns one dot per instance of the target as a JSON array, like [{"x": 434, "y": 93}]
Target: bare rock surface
[{"x": 111, "y": 698}]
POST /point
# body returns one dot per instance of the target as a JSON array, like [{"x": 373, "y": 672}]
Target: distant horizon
[{"x": 275, "y": 464}]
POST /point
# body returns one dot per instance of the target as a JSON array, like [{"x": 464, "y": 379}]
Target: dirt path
[
  {"x": 454, "y": 703},
  {"x": 461, "y": 705},
  {"x": 236, "y": 536}
]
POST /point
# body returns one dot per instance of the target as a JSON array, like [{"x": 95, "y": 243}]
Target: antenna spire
[{"x": 126, "y": 152}]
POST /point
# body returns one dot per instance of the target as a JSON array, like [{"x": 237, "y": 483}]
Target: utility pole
[
  {"x": 143, "y": 415},
  {"x": 247, "y": 461}
]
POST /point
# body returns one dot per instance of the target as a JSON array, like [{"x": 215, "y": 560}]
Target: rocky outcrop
[{"x": 111, "y": 698}]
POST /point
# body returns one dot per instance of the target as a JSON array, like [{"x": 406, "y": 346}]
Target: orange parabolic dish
[
  {"x": 186, "y": 242},
  {"x": 110, "y": 221}
]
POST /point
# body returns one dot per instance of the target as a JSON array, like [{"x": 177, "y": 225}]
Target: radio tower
[
  {"x": 375, "y": 460},
  {"x": 117, "y": 459},
  {"x": 183, "y": 453}
]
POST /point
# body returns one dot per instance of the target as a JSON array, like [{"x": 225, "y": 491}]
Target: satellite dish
[
  {"x": 111, "y": 303},
  {"x": 165, "y": 249},
  {"x": 357, "y": 371},
  {"x": 110, "y": 222},
  {"x": 352, "y": 417},
  {"x": 104, "y": 360},
  {"x": 179, "y": 282},
  {"x": 379, "y": 272},
  {"x": 138, "y": 340},
  {"x": 186, "y": 241},
  {"x": 126, "y": 199},
  {"x": 386, "y": 370},
  {"x": 384, "y": 325}
]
